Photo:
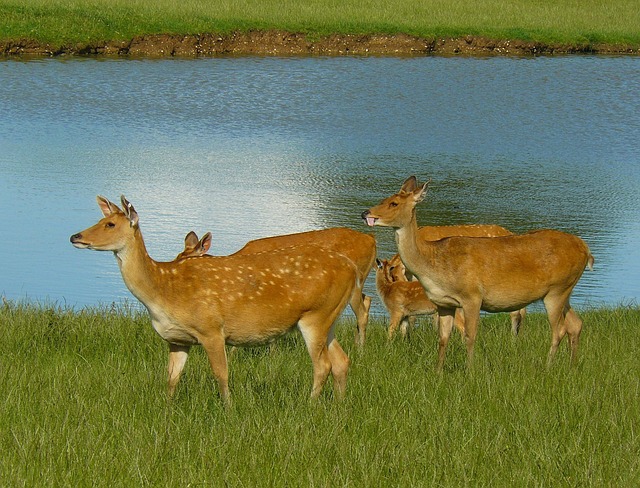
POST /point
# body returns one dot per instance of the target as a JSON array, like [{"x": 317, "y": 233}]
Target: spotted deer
[
  {"x": 358, "y": 247},
  {"x": 242, "y": 300},
  {"x": 404, "y": 300},
  {"x": 493, "y": 274}
]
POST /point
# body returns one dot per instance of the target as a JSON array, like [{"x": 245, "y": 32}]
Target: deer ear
[
  {"x": 421, "y": 192},
  {"x": 190, "y": 240},
  {"x": 409, "y": 184},
  {"x": 205, "y": 242},
  {"x": 129, "y": 211},
  {"x": 107, "y": 207}
]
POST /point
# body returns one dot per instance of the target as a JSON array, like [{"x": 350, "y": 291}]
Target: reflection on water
[{"x": 248, "y": 147}]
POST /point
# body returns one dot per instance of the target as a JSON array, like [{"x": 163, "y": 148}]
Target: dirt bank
[{"x": 283, "y": 43}]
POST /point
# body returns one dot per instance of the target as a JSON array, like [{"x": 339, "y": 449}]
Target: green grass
[
  {"x": 84, "y": 404},
  {"x": 564, "y": 21}
]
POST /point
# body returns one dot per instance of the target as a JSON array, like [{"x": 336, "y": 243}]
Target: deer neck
[
  {"x": 414, "y": 255},
  {"x": 139, "y": 272},
  {"x": 382, "y": 284}
]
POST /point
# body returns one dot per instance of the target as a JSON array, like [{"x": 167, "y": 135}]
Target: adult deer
[
  {"x": 437, "y": 232},
  {"x": 404, "y": 300},
  {"x": 496, "y": 274},
  {"x": 239, "y": 300},
  {"x": 360, "y": 248}
]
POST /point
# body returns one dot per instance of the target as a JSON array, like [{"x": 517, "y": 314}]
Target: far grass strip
[{"x": 547, "y": 21}]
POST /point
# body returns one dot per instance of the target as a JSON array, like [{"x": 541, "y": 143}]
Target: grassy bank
[
  {"x": 83, "y": 404},
  {"x": 549, "y": 21}
]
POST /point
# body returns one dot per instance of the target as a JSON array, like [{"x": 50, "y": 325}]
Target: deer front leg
[
  {"x": 471, "y": 312},
  {"x": 445, "y": 325},
  {"x": 394, "y": 321},
  {"x": 216, "y": 351},
  {"x": 177, "y": 359}
]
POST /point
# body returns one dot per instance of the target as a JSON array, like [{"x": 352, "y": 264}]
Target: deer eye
[
  {"x": 393, "y": 204},
  {"x": 110, "y": 224}
]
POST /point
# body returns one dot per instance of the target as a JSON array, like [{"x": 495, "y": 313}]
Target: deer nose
[
  {"x": 75, "y": 237},
  {"x": 365, "y": 214}
]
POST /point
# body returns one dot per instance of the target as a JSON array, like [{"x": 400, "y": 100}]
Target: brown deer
[
  {"x": 358, "y": 247},
  {"x": 238, "y": 300},
  {"x": 437, "y": 232},
  {"x": 494, "y": 274},
  {"x": 404, "y": 300}
]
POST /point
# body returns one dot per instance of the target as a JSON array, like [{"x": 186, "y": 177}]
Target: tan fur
[
  {"x": 494, "y": 274},
  {"x": 358, "y": 247},
  {"x": 239, "y": 300},
  {"x": 404, "y": 300}
]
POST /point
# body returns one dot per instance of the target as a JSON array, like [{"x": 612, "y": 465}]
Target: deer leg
[
  {"x": 471, "y": 313},
  {"x": 458, "y": 321},
  {"x": 516, "y": 320},
  {"x": 360, "y": 304},
  {"x": 217, "y": 353},
  {"x": 317, "y": 347},
  {"x": 573, "y": 325},
  {"x": 445, "y": 325},
  {"x": 556, "y": 309},
  {"x": 394, "y": 321},
  {"x": 177, "y": 359},
  {"x": 339, "y": 365},
  {"x": 406, "y": 325}
]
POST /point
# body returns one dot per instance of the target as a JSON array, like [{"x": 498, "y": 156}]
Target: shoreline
[{"x": 279, "y": 43}]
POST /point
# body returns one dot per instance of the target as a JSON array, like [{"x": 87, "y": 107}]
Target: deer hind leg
[
  {"x": 217, "y": 353},
  {"x": 458, "y": 321},
  {"x": 573, "y": 324},
  {"x": 516, "y": 320},
  {"x": 360, "y": 304},
  {"x": 394, "y": 321},
  {"x": 316, "y": 341},
  {"x": 339, "y": 365},
  {"x": 407, "y": 324},
  {"x": 471, "y": 312},
  {"x": 445, "y": 325},
  {"x": 557, "y": 307},
  {"x": 177, "y": 359}
]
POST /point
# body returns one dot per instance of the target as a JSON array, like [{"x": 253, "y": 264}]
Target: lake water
[{"x": 248, "y": 147}]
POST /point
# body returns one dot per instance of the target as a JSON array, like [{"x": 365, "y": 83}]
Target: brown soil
[{"x": 277, "y": 43}]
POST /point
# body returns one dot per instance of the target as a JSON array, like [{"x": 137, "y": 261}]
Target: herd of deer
[{"x": 305, "y": 280}]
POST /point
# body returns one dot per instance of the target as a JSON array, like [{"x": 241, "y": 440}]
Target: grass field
[
  {"x": 84, "y": 404},
  {"x": 574, "y": 22}
]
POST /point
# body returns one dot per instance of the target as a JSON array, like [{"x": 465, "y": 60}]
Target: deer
[
  {"x": 356, "y": 246},
  {"x": 404, "y": 300},
  {"x": 494, "y": 274},
  {"x": 243, "y": 300},
  {"x": 437, "y": 232},
  {"x": 194, "y": 247}
]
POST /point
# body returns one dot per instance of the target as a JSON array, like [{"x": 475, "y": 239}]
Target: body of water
[{"x": 250, "y": 147}]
